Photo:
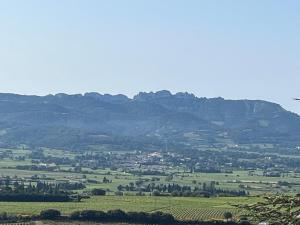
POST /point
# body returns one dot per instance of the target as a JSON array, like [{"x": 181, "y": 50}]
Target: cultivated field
[{"x": 182, "y": 208}]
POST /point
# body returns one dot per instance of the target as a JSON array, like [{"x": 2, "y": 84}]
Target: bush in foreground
[
  {"x": 121, "y": 216},
  {"x": 50, "y": 214},
  {"x": 127, "y": 217},
  {"x": 98, "y": 191}
]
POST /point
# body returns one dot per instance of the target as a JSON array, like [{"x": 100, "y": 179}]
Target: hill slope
[{"x": 144, "y": 122}]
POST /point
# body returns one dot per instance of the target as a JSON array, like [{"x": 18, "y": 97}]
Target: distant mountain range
[{"x": 147, "y": 121}]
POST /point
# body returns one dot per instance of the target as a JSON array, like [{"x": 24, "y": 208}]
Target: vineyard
[{"x": 187, "y": 214}]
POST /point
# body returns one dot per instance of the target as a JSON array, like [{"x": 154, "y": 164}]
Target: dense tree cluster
[
  {"x": 50, "y": 214},
  {"x": 40, "y": 192},
  {"x": 11, "y": 185},
  {"x": 121, "y": 216},
  {"x": 206, "y": 190},
  {"x": 37, "y": 167},
  {"x": 34, "y": 197},
  {"x": 109, "y": 216}
]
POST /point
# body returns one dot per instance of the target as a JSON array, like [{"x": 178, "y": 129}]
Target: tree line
[
  {"x": 40, "y": 192},
  {"x": 205, "y": 190},
  {"x": 125, "y": 217}
]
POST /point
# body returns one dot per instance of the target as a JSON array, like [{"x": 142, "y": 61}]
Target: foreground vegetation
[
  {"x": 182, "y": 208},
  {"x": 115, "y": 216}
]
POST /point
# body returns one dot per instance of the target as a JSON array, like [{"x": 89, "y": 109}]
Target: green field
[
  {"x": 181, "y": 207},
  {"x": 255, "y": 184}
]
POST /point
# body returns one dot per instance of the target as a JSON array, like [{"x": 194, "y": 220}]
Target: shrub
[
  {"x": 159, "y": 217},
  {"x": 3, "y": 216},
  {"x": 227, "y": 215},
  {"x": 50, "y": 214},
  {"x": 117, "y": 215},
  {"x": 75, "y": 215},
  {"x": 156, "y": 193},
  {"x": 141, "y": 217},
  {"x": 121, "y": 216},
  {"x": 98, "y": 191}
]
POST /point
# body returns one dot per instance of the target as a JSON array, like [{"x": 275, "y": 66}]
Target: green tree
[
  {"x": 50, "y": 214},
  {"x": 227, "y": 216},
  {"x": 275, "y": 209}
]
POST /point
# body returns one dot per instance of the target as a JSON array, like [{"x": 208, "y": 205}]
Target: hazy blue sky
[{"x": 234, "y": 49}]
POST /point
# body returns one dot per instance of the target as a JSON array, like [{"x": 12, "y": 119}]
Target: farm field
[
  {"x": 183, "y": 208},
  {"x": 255, "y": 183},
  {"x": 126, "y": 185}
]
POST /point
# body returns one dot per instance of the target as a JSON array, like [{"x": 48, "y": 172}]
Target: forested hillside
[{"x": 147, "y": 121}]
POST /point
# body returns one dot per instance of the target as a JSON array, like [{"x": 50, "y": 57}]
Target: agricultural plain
[{"x": 125, "y": 176}]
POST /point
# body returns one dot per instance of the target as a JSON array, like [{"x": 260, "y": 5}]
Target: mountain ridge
[{"x": 145, "y": 121}]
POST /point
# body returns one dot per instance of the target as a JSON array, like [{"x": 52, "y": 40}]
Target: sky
[{"x": 246, "y": 49}]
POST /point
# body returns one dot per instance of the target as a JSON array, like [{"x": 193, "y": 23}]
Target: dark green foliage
[
  {"x": 98, "y": 191},
  {"x": 92, "y": 215},
  {"x": 33, "y": 197},
  {"x": 138, "y": 217},
  {"x": 116, "y": 214},
  {"x": 228, "y": 215},
  {"x": 276, "y": 210},
  {"x": 177, "y": 190},
  {"x": 75, "y": 215},
  {"x": 121, "y": 216},
  {"x": 50, "y": 214},
  {"x": 3, "y": 216},
  {"x": 13, "y": 191},
  {"x": 7, "y": 218}
]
